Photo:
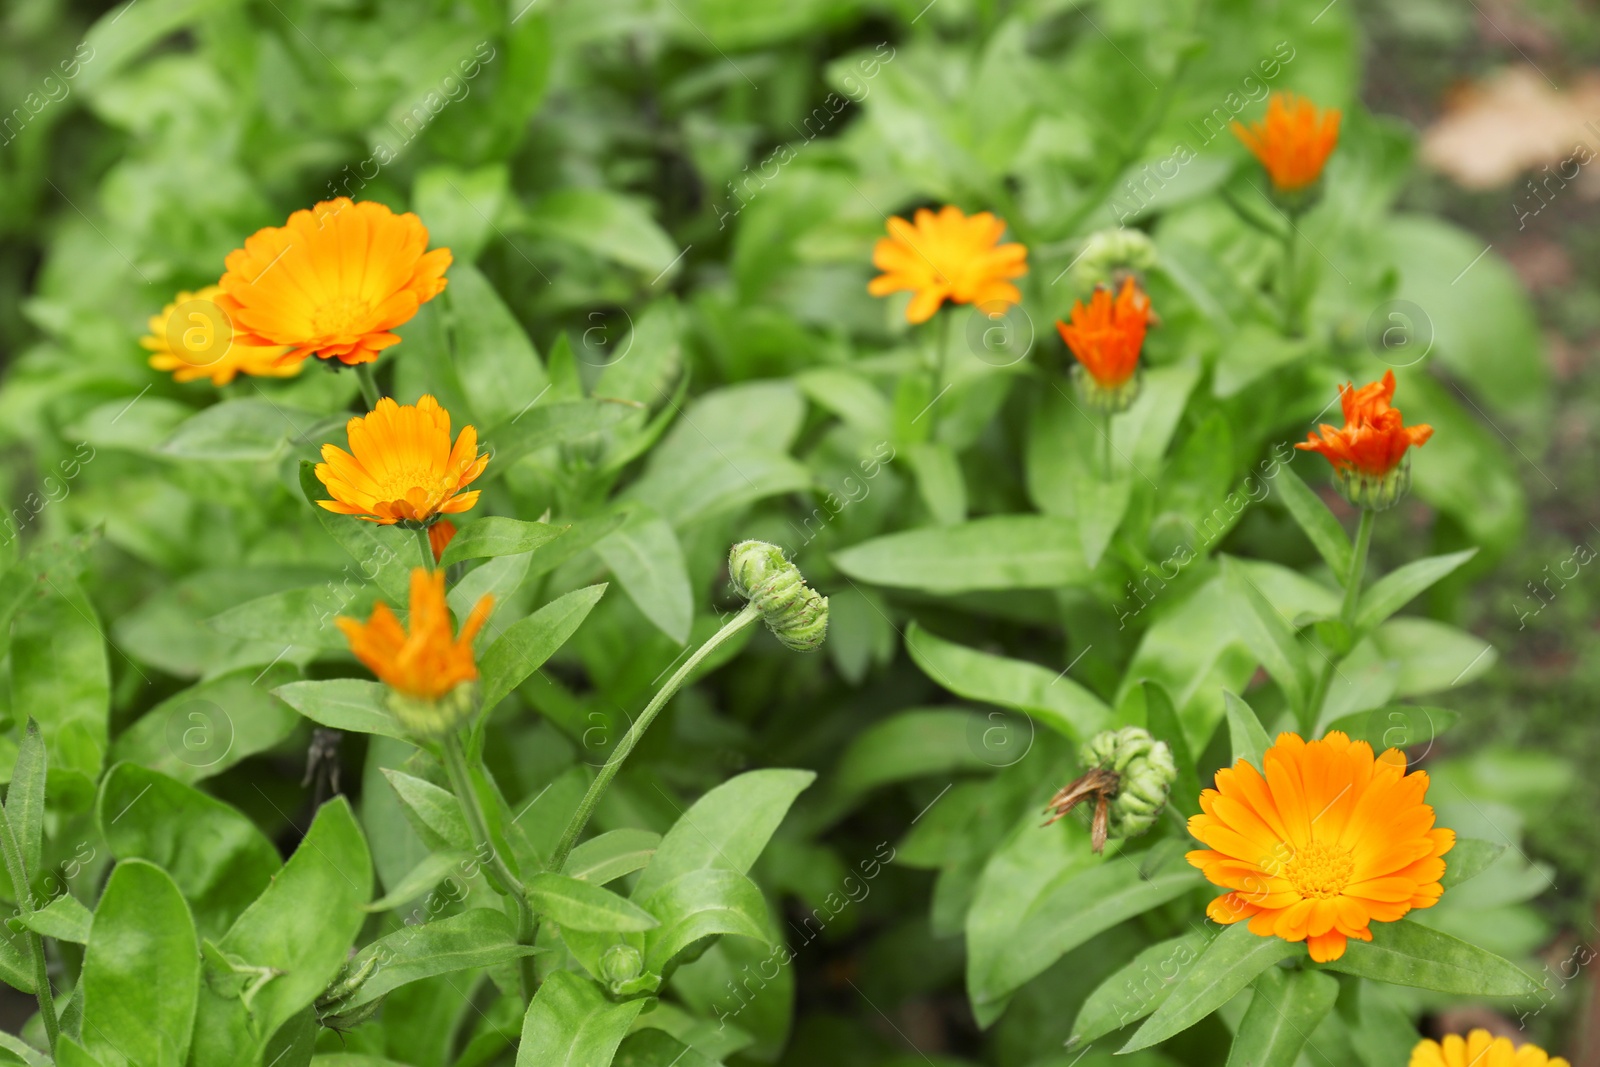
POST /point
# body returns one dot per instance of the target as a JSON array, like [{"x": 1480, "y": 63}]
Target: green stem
[
  {"x": 41, "y": 966},
  {"x": 427, "y": 547},
  {"x": 613, "y": 764},
  {"x": 1291, "y": 296},
  {"x": 499, "y": 874},
  {"x": 1347, "y": 613},
  {"x": 1105, "y": 451},
  {"x": 941, "y": 335},
  {"x": 369, "y": 384}
]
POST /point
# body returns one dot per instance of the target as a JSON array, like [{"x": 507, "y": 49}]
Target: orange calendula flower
[
  {"x": 1106, "y": 336},
  {"x": 948, "y": 256},
  {"x": 194, "y": 338},
  {"x": 425, "y": 667},
  {"x": 401, "y": 466},
  {"x": 1293, "y": 142},
  {"x": 333, "y": 282},
  {"x": 1327, "y": 840},
  {"x": 1370, "y": 452},
  {"x": 1480, "y": 1049}
]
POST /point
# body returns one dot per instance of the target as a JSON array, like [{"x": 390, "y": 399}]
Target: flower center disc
[
  {"x": 1320, "y": 870},
  {"x": 344, "y": 314}
]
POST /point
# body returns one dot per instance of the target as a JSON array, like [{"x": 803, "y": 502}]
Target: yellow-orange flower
[
  {"x": 427, "y": 662},
  {"x": 1107, "y": 335},
  {"x": 1326, "y": 841},
  {"x": 1374, "y": 438},
  {"x": 401, "y": 465},
  {"x": 332, "y": 282},
  {"x": 1293, "y": 142},
  {"x": 1480, "y": 1049},
  {"x": 948, "y": 256},
  {"x": 193, "y": 338}
]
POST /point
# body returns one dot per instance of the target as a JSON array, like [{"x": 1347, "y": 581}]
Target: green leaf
[
  {"x": 1318, "y": 523},
  {"x": 581, "y": 536},
  {"x": 497, "y": 365},
  {"x": 1407, "y": 953},
  {"x": 580, "y": 905},
  {"x": 389, "y": 553},
  {"x": 572, "y": 1023},
  {"x": 433, "y": 812},
  {"x": 1396, "y": 589},
  {"x": 1231, "y": 962},
  {"x": 1431, "y": 656},
  {"x": 909, "y": 745},
  {"x": 611, "y": 855},
  {"x": 203, "y": 730},
  {"x": 248, "y": 430},
  {"x": 544, "y": 425},
  {"x": 460, "y": 205},
  {"x": 302, "y": 617},
  {"x": 939, "y": 480},
  {"x": 526, "y": 644},
  {"x": 1468, "y": 858},
  {"x": 1396, "y": 726},
  {"x": 645, "y": 556},
  {"x": 25, "y": 796},
  {"x": 141, "y": 970},
  {"x": 1161, "y": 719},
  {"x": 496, "y": 536},
  {"x": 657, "y": 1048},
  {"x": 700, "y": 904},
  {"x": 607, "y": 224},
  {"x": 216, "y": 855},
  {"x": 1286, "y": 1008},
  {"x": 850, "y": 396},
  {"x": 64, "y": 919},
  {"x": 344, "y": 704},
  {"x": 422, "y": 878},
  {"x": 1267, "y": 634},
  {"x": 995, "y": 552},
  {"x": 1248, "y": 737},
  {"x": 1073, "y": 908},
  {"x": 1052, "y": 698},
  {"x": 24, "y": 1052},
  {"x": 477, "y": 937},
  {"x": 298, "y": 931},
  {"x": 727, "y": 828},
  {"x": 60, "y": 677},
  {"x": 1137, "y": 988}
]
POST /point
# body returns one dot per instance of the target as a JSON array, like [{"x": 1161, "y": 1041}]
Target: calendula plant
[{"x": 414, "y": 407}]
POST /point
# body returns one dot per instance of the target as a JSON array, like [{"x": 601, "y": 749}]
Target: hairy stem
[
  {"x": 369, "y": 384},
  {"x": 427, "y": 547},
  {"x": 613, "y": 764},
  {"x": 1347, "y": 614},
  {"x": 500, "y": 875}
]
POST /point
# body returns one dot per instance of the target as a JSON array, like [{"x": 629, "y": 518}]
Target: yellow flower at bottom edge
[
  {"x": 1480, "y": 1049},
  {"x": 194, "y": 338},
  {"x": 401, "y": 465},
  {"x": 421, "y": 660},
  {"x": 1327, "y": 840}
]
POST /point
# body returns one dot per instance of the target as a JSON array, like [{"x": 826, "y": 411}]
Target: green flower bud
[
  {"x": 1145, "y": 772},
  {"x": 1109, "y": 252},
  {"x": 424, "y": 718},
  {"x": 1375, "y": 492},
  {"x": 1096, "y": 397},
  {"x": 793, "y": 611},
  {"x": 621, "y": 963}
]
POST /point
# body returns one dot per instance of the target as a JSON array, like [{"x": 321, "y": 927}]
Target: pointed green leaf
[
  {"x": 388, "y": 553},
  {"x": 1231, "y": 962},
  {"x": 25, "y": 796},
  {"x": 422, "y": 878},
  {"x": 1287, "y": 1006},
  {"x": 1397, "y": 589},
  {"x": 611, "y": 855},
  {"x": 1318, "y": 523},
  {"x": 994, "y": 552},
  {"x": 1267, "y": 634},
  {"x": 1408, "y": 953},
  {"x": 434, "y": 813},
  {"x": 1467, "y": 859},
  {"x": 572, "y": 1023},
  {"x": 344, "y": 704},
  {"x": 525, "y": 645},
  {"x": 544, "y": 425},
  {"x": 580, "y": 905},
  {"x": 477, "y": 937},
  {"x": 1161, "y": 718},
  {"x": 1249, "y": 738},
  {"x": 648, "y": 561},
  {"x": 1137, "y": 988},
  {"x": 496, "y": 536},
  {"x": 64, "y": 919},
  {"x": 700, "y": 904}
]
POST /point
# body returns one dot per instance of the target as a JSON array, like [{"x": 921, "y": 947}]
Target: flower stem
[
  {"x": 427, "y": 548},
  {"x": 941, "y": 335},
  {"x": 1347, "y": 613},
  {"x": 369, "y": 385},
  {"x": 613, "y": 764},
  {"x": 499, "y": 874},
  {"x": 41, "y": 966},
  {"x": 1291, "y": 296},
  {"x": 1105, "y": 451}
]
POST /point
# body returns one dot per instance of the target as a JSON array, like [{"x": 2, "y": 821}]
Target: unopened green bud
[
  {"x": 1110, "y": 252},
  {"x": 1109, "y": 399},
  {"x": 430, "y": 719},
  {"x": 1375, "y": 492},
  {"x": 792, "y": 610},
  {"x": 621, "y": 963},
  {"x": 1145, "y": 772}
]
